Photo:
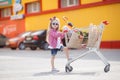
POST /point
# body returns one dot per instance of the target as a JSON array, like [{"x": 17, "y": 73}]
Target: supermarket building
[{"x": 17, "y": 16}]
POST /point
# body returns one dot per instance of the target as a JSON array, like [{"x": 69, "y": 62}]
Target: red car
[{"x": 17, "y": 42}]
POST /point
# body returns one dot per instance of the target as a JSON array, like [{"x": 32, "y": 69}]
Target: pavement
[{"x": 35, "y": 65}]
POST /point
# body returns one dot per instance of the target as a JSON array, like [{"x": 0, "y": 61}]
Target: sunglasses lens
[{"x": 55, "y": 23}]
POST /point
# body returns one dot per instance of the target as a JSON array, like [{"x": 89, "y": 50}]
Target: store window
[
  {"x": 33, "y": 7},
  {"x": 6, "y": 12},
  {"x": 69, "y": 3}
]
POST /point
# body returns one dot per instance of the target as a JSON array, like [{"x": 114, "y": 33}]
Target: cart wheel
[
  {"x": 107, "y": 68},
  {"x": 68, "y": 68}
]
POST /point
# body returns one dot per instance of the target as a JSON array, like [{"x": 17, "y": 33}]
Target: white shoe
[{"x": 54, "y": 70}]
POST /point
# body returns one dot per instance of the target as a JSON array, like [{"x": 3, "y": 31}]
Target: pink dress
[{"x": 54, "y": 38}]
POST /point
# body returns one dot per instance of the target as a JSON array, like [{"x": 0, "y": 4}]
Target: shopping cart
[{"x": 92, "y": 42}]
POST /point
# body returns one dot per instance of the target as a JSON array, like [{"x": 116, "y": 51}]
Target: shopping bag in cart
[
  {"x": 74, "y": 41},
  {"x": 93, "y": 36}
]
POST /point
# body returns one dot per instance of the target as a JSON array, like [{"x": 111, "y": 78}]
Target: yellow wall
[
  {"x": 80, "y": 17},
  {"x": 83, "y": 17},
  {"x": 49, "y": 4}
]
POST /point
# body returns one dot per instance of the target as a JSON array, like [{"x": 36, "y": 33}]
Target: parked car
[
  {"x": 17, "y": 42},
  {"x": 36, "y": 40},
  {"x": 3, "y": 40}
]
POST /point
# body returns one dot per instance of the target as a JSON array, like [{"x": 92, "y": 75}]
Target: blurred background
[{"x": 21, "y": 16}]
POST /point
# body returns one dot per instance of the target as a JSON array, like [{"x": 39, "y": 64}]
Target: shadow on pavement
[{"x": 64, "y": 73}]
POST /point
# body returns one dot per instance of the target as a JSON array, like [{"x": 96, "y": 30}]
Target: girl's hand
[{"x": 65, "y": 31}]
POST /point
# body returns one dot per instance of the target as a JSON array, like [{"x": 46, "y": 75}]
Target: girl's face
[{"x": 55, "y": 24}]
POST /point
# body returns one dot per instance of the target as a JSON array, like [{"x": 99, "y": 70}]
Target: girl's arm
[
  {"x": 56, "y": 34},
  {"x": 62, "y": 35}
]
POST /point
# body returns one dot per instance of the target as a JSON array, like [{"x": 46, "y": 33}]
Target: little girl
[{"x": 54, "y": 39}]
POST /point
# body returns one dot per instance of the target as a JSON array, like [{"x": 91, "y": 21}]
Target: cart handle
[{"x": 105, "y": 22}]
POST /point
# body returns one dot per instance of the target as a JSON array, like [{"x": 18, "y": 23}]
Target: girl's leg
[
  {"x": 53, "y": 53},
  {"x": 52, "y": 62}
]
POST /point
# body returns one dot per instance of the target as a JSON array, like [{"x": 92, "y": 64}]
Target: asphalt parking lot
[{"x": 35, "y": 65}]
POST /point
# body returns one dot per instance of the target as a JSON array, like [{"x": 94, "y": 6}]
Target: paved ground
[{"x": 35, "y": 65}]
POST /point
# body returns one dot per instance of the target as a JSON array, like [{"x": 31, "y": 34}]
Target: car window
[
  {"x": 2, "y": 36},
  {"x": 24, "y": 34},
  {"x": 37, "y": 32}
]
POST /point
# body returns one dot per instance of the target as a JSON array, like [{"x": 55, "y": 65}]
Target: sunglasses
[{"x": 55, "y": 24}]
